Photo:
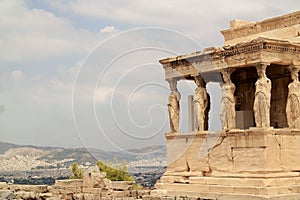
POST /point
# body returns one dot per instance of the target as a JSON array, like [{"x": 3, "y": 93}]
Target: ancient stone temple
[{"x": 256, "y": 155}]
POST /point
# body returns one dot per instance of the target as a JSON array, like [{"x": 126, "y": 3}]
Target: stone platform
[{"x": 239, "y": 164}]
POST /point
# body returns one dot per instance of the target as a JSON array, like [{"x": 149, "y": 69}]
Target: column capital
[
  {"x": 294, "y": 68},
  {"x": 262, "y": 65},
  {"x": 226, "y": 74},
  {"x": 296, "y": 62},
  {"x": 199, "y": 81},
  {"x": 172, "y": 84},
  {"x": 228, "y": 70}
]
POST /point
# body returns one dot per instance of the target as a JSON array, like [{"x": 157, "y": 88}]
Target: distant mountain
[
  {"x": 28, "y": 164},
  {"x": 28, "y": 157},
  {"x": 6, "y": 146},
  {"x": 149, "y": 149}
]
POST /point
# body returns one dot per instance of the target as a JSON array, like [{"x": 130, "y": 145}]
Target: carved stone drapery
[
  {"x": 174, "y": 106},
  {"x": 262, "y": 101},
  {"x": 200, "y": 104},
  {"x": 227, "y": 113},
  {"x": 293, "y": 100}
]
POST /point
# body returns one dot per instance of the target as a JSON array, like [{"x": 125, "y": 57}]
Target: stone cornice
[{"x": 263, "y": 26}]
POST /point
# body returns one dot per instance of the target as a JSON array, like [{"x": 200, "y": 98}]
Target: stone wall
[
  {"x": 94, "y": 186},
  {"x": 267, "y": 151},
  {"x": 254, "y": 162}
]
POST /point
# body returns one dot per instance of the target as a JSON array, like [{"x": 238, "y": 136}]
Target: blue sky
[{"x": 86, "y": 73}]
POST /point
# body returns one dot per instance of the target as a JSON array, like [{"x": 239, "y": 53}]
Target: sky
[{"x": 85, "y": 73}]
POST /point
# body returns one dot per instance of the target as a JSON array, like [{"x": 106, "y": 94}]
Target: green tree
[
  {"x": 115, "y": 171},
  {"x": 77, "y": 171}
]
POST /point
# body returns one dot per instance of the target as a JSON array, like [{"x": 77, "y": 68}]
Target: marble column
[
  {"x": 262, "y": 101},
  {"x": 227, "y": 113},
  {"x": 200, "y": 104},
  {"x": 174, "y": 106},
  {"x": 293, "y": 99}
]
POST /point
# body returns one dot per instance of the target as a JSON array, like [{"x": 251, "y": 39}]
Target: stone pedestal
[{"x": 238, "y": 164}]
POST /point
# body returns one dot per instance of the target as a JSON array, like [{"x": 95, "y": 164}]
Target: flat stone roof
[{"x": 260, "y": 50}]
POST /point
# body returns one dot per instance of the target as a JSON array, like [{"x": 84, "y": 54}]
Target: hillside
[
  {"x": 27, "y": 157},
  {"x": 6, "y": 146},
  {"x": 27, "y": 164}
]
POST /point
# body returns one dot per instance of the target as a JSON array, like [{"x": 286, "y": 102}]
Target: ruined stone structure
[
  {"x": 256, "y": 155},
  {"x": 94, "y": 186}
]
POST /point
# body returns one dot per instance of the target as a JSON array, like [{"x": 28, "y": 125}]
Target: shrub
[
  {"x": 77, "y": 171},
  {"x": 115, "y": 171}
]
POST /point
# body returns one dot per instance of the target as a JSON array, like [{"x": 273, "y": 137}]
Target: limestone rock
[
  {"x": 26, "y": 195},
  {"x": 78, "y": 196},
  {"x": 3, "y": 186},
  {"x": 167, "y": 179},
  {"x": 141, "y": 193},
  {"x": 30, "y": 188},
  {"x": 120, "y": 194},
  {"x": 94, "y": 180},
  {"x": 91, "y": 196},
  {"x": 106, "y": 183},
  {"x": 69, "y": 183},
  {"x": 92, "y": 190},
  {"x": 181, "y": 179},
  {"x": 7, "y": 195},
  {"x": 158, "y": 193},
  {"x": 150, "y": 197},
  {"x": 65, "y": 190},
  {"x": 46, "y": 195},
  {"x": 122, "y": 185}
]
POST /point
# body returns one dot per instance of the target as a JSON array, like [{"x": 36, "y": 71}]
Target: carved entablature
[
  {"x": 245, "y": 49},
  {"x": 282, "y": 48},
  {"x": 238, "y": 56}
]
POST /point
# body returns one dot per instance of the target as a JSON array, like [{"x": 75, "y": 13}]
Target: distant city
[{"x": 43, "y": 165}]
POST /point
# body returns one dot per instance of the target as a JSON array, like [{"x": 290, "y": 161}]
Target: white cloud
[
  {"x": 17, "y": 75},
  {"x": 172, "y": 11},
  {"x": 34, "y": 34},
  {"x": 108, "y": 29},
  {"x": 200, "y": 19},
  {"x": 102, "y": 94}
]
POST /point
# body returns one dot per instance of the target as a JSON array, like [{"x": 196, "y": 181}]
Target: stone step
[
  {"x": 226, "y": 181},
  {"x": 225, "y": 196},
  {"x": 221, "y": 189}
]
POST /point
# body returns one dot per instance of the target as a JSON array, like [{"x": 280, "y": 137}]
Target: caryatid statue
[
  {"x": 200, "y": 103},
  {"x": 173, "y": 106},
  {"x": 293, "y": 100},
  {"x": 262, "y": 101},
  {"x": 227, "y": 114}
]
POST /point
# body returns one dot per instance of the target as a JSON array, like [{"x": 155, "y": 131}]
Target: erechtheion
[{"x": 256, "y": 155}]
